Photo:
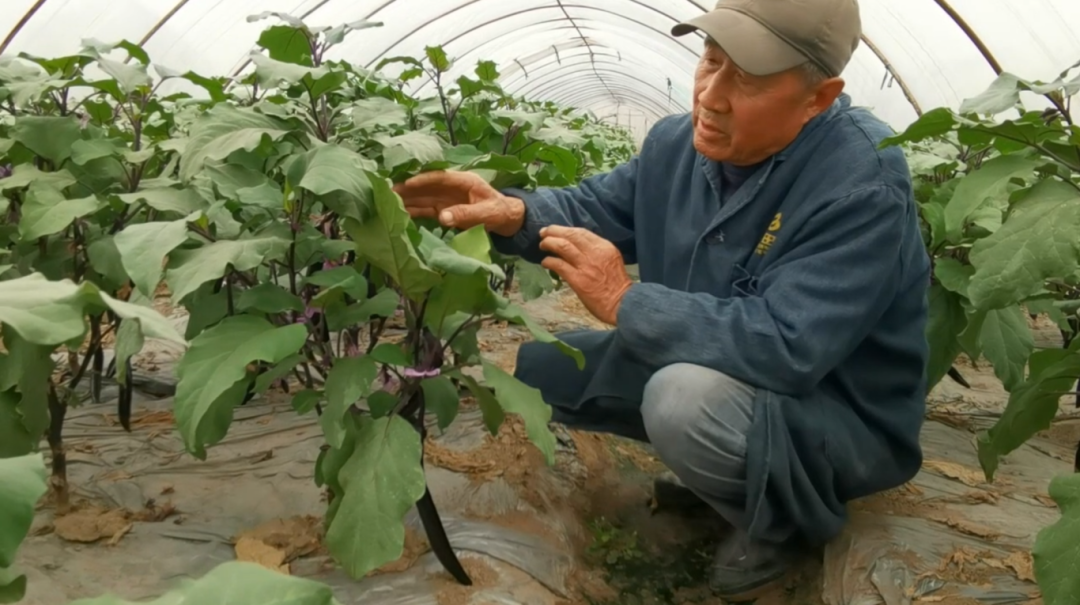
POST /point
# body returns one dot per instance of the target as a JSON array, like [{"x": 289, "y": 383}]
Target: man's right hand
[{"x": 461, "y": 200}]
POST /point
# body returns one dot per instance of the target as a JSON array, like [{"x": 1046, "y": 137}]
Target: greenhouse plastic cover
[{"x": 615, "y": 58}]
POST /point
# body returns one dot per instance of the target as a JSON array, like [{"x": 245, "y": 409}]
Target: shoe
[
  {"x": 744, "y": 568},
  {"x": 669, "y": 493}
]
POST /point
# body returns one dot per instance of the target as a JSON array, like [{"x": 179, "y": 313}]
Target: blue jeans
[{"x": 696, "y": 419}]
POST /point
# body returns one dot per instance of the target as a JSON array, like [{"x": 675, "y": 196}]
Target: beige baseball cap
[{"x": 764, "y": 37}]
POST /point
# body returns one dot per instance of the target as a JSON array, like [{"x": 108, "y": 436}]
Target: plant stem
[{"x": 58, "y": 481}]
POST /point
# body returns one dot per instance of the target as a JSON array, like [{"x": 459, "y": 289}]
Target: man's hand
[
  {"x": 591, "y": 265},
  {"x": 461, "y": 200}
]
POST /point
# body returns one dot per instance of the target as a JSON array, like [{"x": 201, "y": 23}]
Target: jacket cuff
[{"x": 526, "y": 242}]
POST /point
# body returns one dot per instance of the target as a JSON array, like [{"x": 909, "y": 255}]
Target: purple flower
[
  {"x": 306, "y": 316},
  {"x": 419, "y": 373},
  {"x": 5, "y": 171}
]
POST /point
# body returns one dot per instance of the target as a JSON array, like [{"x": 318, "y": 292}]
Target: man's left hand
[{"x": 592, "y": 266}]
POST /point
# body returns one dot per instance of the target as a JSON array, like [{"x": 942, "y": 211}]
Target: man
[{"x": 773, "y": 352}]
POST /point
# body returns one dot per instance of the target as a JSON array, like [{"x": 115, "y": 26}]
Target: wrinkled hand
[
  {"x": 592, "y": 266},
  {"x": 461, "y": 200}
]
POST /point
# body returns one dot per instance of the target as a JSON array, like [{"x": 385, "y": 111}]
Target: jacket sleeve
[
  {"x": 603, "y": 204},
  {"x": 811, "y": 308}
]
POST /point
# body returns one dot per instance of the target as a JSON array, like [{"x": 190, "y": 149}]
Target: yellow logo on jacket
[{"x": 769, "y": 238}]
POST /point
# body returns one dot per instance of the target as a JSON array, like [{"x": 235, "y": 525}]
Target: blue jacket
[{"x": 809, "y": 283}]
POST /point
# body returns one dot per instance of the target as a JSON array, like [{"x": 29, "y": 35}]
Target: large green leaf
[
  {"x": 350, "y": 380},
  {"x": 1007, "y": 342},
  {"x": 25, "y": 174},
  {"x": 420, "y": 146},
  {"x": 987, "y": 185},
  {"x": 168, "y": 199},
  {"x": 515, "y": 314},
  {"x": 1032, "y": 405},
  {"x": 382, "y": 480},
  {"x": 127, "y": 76},
  {"x": 945, "y": 323},
  {"x": 215, "y": 364},
  {"x": 143, "y": 248},
  {"x": 333, "y": 169},
  {"x": 287, "y": 44},
  {"x": 23, "y": 479},
  {"x": 47, "y": 212},
  {"x": 441, "y": 398},
  {"x": 533, "y": 280},
  {"x": 50, "y": 137},
  {"x": 383, "y": 241},
  {"x": 1037, "y": 241},
  {"x": 15, "y": 438},
  {"x": 27, "y": 366},
  {"x": 236, "y": 583},
  {"x": 42, "y": 311},
  {"x": 1057, "y": 547},
  {"x": 376, "y": 112},
  {"x": 189, "y": 269},
  {"x": 223, "y": 130},
  {"x": 518, "y": 398}
]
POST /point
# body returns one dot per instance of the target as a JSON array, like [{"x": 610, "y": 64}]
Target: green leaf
[
  {"x": 518, "y": 398},
  {"x": 383, "y": 304},
  {"x": 1038, "y": 241},
  {"x": 188, "y": 269},
  {"x": 271, "y": 73},
  {"x": 25, "y": 174},
  {"x": 1002, "y": 95},
  {"x": 15, "y": 438},
  {"x": 1057, "y": 547},
  {"x": 129, "y": 77},
  {"x": 168, "y": 199},
  {"x": 143, "y": 248},
  {"x": 441, "y": 397},
  {"x": 487, "y": 70},
  {"x": 153, "y": 324},
  {"x": 50, "y": 137},
  {"x": 490, "y": 410},
  {"x": 336, "y": 34},
  {"x": 438, "y": 58},
  {"x": 42, "y": 311},
  {"x": 349, "y": 381},
  {"x": 215, "y": 364},
  {"x": 934, "y": 123},
  {"x": 277, "y": 372},
  {"x": 391, "y": 354},
  {"x": 223, "y": 130},
  {"x": 987, "y": 185},
  {"x": 334, "y": 169},
  {"x": 268, "y": 298},
  {"x": 515, "y": 314},
  {"x": 1032, "y": 405},
  {"x": 378, "y": 112},
  {"x": 533, "y": 280},
  {"x": 945, "y": 323},
  {"x": 384, "y": 242},
  {"x": 46, "y": 212},
  {"x": 382, "y": 480},
  {"x": 237, "y": 583},
  {"x": 420, "y": 146},
  {"x": 1007, "y": 342},
  {"x": 23, "y": 479},
  {"x": 129, "y": 341},
  {"x": 287, "y": 44},
  {"x": 347, "y": 279},
  {"x": 28, "y": 366}
]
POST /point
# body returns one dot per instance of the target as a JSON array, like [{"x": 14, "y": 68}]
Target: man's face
[{"x": 744, "y": 119}]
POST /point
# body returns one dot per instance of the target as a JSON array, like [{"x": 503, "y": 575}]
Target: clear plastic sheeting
[{"x": 615, "y": 58}]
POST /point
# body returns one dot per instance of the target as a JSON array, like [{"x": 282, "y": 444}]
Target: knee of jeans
[{"x": 686, "y": 406}]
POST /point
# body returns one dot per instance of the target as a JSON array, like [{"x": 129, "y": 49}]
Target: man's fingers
[
  {"x": 467, "y": 216},
  {"x": 560, "y": 267},
  {"x": 563, "y": 248},
  {"x": 576, "y": 235}
]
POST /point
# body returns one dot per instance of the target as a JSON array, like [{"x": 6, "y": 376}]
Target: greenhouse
[{"x": 544, "y": 302}]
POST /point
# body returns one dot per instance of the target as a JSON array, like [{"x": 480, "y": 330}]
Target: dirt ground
[{"x": 581, "y": 532}]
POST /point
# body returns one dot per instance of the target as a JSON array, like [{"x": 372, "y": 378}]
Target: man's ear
[{"x": 824, "y": 95}]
